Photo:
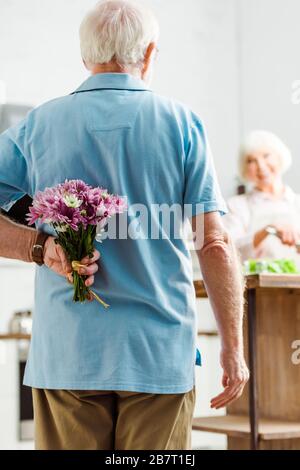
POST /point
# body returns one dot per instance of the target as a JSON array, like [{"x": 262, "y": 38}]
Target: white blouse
[{"x": 248, "y": 213}]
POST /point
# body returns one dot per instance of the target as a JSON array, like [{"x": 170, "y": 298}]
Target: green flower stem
[
  {"x": 78, "y": 245},
  {"x": 80, "y": 289}
]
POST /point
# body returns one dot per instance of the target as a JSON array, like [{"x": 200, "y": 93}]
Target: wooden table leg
[{"x": 253, "y": 390}]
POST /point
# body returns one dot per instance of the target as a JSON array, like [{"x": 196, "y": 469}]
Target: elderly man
[{"x": 123, "y": 378}]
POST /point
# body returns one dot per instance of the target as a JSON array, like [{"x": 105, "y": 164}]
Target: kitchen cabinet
[{"x": 267, "y": 416}]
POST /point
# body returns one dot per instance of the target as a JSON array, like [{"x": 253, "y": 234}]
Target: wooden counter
[{"x": 267, "y": 416}]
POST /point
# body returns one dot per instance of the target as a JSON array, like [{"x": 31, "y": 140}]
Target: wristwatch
[
  {"x": 38, "y": 248},
  {"x": 271, "y": 230}
]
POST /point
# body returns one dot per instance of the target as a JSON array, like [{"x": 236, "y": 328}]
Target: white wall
[
  {"x": 16, "y": 292},
  {"x": 269, "y": 65}
]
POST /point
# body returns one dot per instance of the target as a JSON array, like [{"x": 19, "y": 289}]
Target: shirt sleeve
[
  {"x": 202, "y": 191},
  {"x": 14, "y": 172}
]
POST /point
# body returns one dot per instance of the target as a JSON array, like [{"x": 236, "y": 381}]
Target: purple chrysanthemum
[{"x": 73, "y": 203}]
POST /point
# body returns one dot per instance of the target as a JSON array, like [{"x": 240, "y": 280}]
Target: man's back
[{"x": 116, "y": 133}]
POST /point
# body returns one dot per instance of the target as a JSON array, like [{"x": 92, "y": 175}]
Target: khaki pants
[{"x": 112, "y": 420}]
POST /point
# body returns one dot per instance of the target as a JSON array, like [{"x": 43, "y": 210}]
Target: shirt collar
[
  {"x": 112, "y": 81},
  {"x": 288, "y": 194}
]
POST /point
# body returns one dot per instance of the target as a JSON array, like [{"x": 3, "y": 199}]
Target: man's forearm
[
  {"x": 224, "y": 283},
  {"x": 16, "y": 240}
]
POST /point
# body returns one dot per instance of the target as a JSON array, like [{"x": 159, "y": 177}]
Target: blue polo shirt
[{"x": 115, "y": 132}]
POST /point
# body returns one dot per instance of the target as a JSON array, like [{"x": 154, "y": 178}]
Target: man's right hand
[
  {"x": 235, "y": 377},
  {"x": 224, "y": 282}
]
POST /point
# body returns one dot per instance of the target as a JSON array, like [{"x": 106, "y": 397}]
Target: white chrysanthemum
[
  {"x": 72, "y": 201},
  {"x": 101, "y": 211},
  {"x": 62, "y": 227}
]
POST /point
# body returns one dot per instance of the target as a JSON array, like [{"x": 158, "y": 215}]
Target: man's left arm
[{"x": 16, "y": 240}]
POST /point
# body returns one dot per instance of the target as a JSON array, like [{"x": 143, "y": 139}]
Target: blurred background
[{"x": 234, "y": 62}]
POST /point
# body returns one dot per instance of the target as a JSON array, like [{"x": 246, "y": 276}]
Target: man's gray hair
[{"x": 117, "y": 30}]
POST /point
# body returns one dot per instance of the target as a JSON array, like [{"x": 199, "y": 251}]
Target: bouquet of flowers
[{"x": 75, "y": 210}]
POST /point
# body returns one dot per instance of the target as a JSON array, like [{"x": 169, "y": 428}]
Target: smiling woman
[
  {"x": 261, "y": 153},
  {"x": 265, "y": 222}
]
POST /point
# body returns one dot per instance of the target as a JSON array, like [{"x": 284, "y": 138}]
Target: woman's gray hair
[
  {"x": 117, "y": 30},
  {"x": 260, "y": 140}
]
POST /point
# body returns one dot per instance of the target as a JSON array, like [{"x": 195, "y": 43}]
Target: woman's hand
[
  {"x": 55, "y": 259},
  {"x": 288, "y": 234}
]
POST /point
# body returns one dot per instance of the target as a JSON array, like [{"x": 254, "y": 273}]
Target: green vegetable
[{"x": 277, "y": 266}]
